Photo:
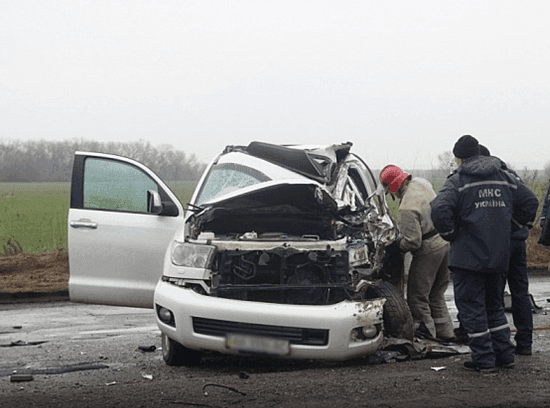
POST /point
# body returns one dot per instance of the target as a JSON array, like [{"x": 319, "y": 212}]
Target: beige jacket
[{"x": 415, "y": 220}]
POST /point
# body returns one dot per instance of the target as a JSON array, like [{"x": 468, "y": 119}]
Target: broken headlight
[{"x": 192, "y": 255}]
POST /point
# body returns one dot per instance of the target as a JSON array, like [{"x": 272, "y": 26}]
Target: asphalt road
[{"x": 93, "y": 349}]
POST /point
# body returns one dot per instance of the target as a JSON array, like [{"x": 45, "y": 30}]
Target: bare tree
[
  {"x": 446, "y": 160},
  {"x": 530, "y": 176},
  {"x": 52, "y": 161}
]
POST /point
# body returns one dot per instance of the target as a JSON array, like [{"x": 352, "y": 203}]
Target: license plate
[{"x": 257, "y": 345}]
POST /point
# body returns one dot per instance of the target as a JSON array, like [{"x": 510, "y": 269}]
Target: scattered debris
[
  {"x": 536, "y": 308},
  {"x": 221, "y": 386},
  {"x": 147, "y": 348},
  {"x": 110, "y": 383},
  {"x": 438, "y": 368},
  {"x": 420, "y": 348},
  {"x": 21, "y": 377},
  {"x": 508, "y": 303},
  {"x": 22, "y": 343},
  {"x": 55, "y": 370},
  {"x": 386, "y": 357},
  {"x": 147, "y": 376},
  {"x": 244, "y": 375}
]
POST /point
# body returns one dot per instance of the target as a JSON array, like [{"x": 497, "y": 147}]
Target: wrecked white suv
[{"x": 282, "y": 251}]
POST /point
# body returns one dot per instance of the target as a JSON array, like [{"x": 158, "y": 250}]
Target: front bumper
[{"x": 314, "y": 332}]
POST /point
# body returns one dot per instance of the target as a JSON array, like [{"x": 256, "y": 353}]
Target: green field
[{"x": 33, "y": 216}]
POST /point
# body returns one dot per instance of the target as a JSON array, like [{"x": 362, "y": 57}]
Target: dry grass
[{"x": 537, "y": 255}]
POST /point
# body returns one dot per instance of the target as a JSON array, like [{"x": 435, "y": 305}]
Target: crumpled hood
[
  {"x": 480, "y": 166},
  {"x": 296, "y": 208},
  {"x": 303, "y": 196}
]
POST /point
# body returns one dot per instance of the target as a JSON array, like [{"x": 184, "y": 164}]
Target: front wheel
[
  {"x": 398, "y": 321},
  {"x": 174, "y": 354}
]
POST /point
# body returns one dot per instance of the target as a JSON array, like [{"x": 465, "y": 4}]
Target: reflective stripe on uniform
[
  {"x": 480, "y": 334},
  {"x": 441, "y": 320},
  {"x": 487, "y": 183},
  {"x": 504, "y": 326}
]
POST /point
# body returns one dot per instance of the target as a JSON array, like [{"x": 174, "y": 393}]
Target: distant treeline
[{"x": 44, "y": 161}]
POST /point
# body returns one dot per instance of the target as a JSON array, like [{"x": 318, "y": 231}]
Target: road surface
[{"x": 88, "y": 355}]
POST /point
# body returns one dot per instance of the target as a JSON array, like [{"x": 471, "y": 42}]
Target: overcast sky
[{"x": 402, "y": 80}]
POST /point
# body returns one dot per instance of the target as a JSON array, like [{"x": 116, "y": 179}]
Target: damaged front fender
[{"x": 369, "y": 312}]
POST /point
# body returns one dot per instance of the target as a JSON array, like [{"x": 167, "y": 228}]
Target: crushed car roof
[{"x": 315, "y": 162}]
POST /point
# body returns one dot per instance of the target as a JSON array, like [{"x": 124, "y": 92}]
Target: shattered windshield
[{"x": 225, "y": 178}]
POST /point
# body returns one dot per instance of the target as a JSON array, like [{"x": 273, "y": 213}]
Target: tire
[
  {"x": 174, "y": 354},
  {"x": 398, "y": 321}
]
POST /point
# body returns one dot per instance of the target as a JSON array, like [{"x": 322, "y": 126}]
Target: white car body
[{"x": 259, "y": 283}]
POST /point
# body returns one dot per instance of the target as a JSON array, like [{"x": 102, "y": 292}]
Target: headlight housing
[{"x": 193, "y": 255}]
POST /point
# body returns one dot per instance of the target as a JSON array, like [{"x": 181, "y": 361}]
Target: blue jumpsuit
[{"x": 474, "y": 210}]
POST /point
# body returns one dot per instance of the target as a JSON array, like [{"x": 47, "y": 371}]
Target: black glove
[{"x": 395, "y": 245}]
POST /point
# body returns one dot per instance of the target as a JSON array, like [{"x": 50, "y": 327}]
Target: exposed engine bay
[{"x": 293, "y": 241}]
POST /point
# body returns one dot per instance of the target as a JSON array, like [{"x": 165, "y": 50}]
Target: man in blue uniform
[
  {"x": 474, "y": 210},
  {"x": 518, "y": 281}
]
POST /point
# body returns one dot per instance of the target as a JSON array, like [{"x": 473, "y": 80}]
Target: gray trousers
[{"x": 429, "y": 278}]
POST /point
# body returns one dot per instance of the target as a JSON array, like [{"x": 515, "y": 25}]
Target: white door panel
[{"x": 116, "y": 257}]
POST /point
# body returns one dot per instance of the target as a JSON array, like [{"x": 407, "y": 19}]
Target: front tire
[
  {"x": 174, "y": 354},
  {"x": 398, "y": 321}
]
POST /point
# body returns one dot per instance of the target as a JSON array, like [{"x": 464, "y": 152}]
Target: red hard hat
[{"x": 392, "y": 176}]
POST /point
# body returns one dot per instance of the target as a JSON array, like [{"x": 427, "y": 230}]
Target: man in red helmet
[{"x": 429, "y": 276}]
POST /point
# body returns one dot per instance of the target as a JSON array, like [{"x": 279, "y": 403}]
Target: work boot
[
  {"x": 461, "y": 335},
  {"x": 468, "y": 365},
  {"x": 423, "y": 332},
  {"x": 523, "y": 351},
  {"x": 505, "y": 364}
]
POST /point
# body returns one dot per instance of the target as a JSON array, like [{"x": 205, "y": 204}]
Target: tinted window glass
[
  {"x": 112, "y": 185},
  {"x": 226, "y": 178}
]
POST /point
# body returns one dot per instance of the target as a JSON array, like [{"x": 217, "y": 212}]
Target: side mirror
[
  {"x": 154, "y": 203},
  {"x": 156, "y": 206}
]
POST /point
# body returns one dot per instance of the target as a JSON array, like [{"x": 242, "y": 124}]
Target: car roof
[{"x": 316, "y": 162}]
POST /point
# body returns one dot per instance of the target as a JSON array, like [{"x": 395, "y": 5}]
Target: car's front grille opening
[
  {"x": 284, "y": 275},
  {"x": 295, "y": 335}
]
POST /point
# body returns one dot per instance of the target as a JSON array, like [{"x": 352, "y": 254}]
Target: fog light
[
  {"x": 369, "y": 331},
  {"x": 166, "y": 316}
]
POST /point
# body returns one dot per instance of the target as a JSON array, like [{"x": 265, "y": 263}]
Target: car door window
[{"x": 117, "y": 186}]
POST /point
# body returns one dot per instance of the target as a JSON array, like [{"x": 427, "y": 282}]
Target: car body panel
[
  {"x": 116, "y": 256},
  {"x": 338, "y": 320}
]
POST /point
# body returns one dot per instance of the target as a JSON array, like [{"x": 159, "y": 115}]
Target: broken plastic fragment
[
  {"x": 147, "y": 348},
  {"x": 21, "y": 377},
  {"x": 438, "y": 368}
]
